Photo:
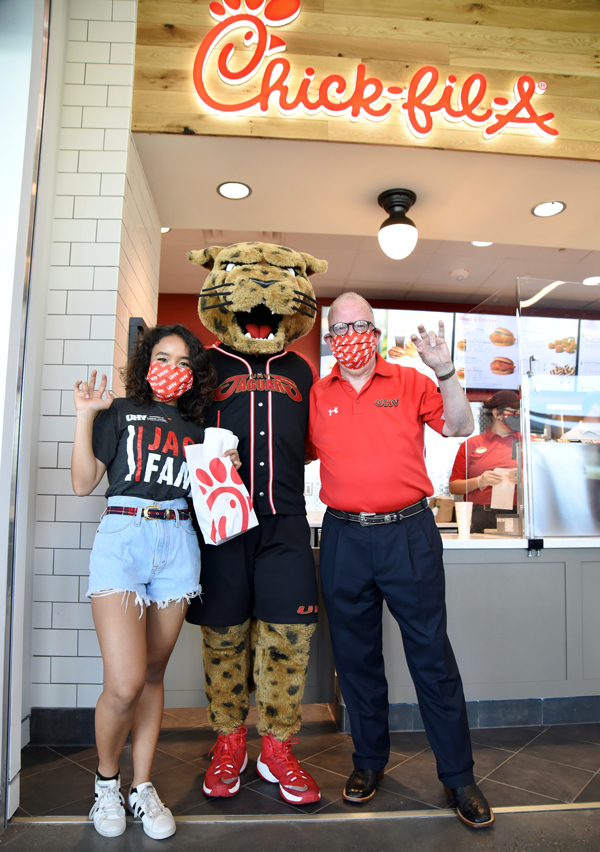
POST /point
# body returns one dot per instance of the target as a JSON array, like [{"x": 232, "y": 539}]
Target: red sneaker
[
  {"x": 279, "y": 765},
  {"x": 228, "y": 761}
]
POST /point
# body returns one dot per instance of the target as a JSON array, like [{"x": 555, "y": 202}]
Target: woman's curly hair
[{"x": 192, "y": 404}]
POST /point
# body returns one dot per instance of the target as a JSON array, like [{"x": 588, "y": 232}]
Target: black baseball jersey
[{"x": 263, "y": 399}]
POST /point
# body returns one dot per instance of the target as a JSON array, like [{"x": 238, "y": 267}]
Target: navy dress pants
[{"x": 402, "y": 564}]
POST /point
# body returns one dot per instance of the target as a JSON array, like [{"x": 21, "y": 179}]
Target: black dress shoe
[
  {"x": 471, "y": 806},
  {"x": 361, "y": 785}
]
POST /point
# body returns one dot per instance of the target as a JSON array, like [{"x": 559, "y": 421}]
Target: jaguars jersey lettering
[{"x": 263, "y": 399}]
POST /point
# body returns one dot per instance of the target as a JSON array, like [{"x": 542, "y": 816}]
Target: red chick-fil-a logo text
[{"x": 362, "y": 96}]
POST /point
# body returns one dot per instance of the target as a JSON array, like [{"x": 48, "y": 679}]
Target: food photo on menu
[
  {"x": 549, "y": 345},
  {"x": 486, "y": 351},
  {"x": 401, "y": 325}
]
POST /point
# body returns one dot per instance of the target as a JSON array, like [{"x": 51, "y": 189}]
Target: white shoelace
[
  {"x": 109, "y": 802},
  {"x": 149, "y": 802}
]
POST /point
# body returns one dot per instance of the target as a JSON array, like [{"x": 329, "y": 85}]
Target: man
[{"x": 380, "y": 542}]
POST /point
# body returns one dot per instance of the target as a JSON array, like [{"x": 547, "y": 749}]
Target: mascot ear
[
  {"x": 313, "y": 265},
  {"x": 205, "y": 257}
]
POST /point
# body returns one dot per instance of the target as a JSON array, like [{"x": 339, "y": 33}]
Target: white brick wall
[{"x": 105, "y": 261}]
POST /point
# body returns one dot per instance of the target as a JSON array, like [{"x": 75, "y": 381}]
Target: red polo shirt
[
  {"x": 480, "y": 453},
  {"x": 371, "y": 444}
]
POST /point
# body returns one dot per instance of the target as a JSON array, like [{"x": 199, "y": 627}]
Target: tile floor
[{"x": 514, "y": 766}]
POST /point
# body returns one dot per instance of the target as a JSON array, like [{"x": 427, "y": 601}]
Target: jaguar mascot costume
[{"x": 259, "y": 604}]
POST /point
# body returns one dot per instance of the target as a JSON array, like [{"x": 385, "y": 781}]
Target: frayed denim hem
[
  {"x": 139, "y": 600},
  {"x": 186, "y": 598}
]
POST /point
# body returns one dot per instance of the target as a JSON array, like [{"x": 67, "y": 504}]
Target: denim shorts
[{"x": 157, "y": 560}]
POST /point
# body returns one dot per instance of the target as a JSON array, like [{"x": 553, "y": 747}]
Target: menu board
[
  {"x": 486, "y": 354},
  {"x": 589, "y": 348},
  {"x": 552, "y": 342},
  {"x": 401, "y": 325}
]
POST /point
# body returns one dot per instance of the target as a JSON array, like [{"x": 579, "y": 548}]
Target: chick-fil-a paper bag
[{"x": 222, "y": 503}]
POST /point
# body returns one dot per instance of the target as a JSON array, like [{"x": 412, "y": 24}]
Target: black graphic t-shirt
[
  {"x": 263, "y": 399},
  {"x": 142, "y": 448}
]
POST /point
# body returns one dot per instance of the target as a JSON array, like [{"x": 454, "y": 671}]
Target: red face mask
[
  {"x": 354, "y": 350},
  {"x": 169, "y": 382}
]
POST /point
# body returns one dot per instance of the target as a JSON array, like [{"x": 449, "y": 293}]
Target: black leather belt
[{"x": 369, "y": 519}]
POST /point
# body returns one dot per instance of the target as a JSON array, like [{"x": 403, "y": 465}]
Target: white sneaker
[
  {"x": 157, "y": 819},
  {"x": 108, "y": 811}
]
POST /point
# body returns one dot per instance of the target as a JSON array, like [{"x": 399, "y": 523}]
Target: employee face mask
[
  {"x": 169, "y": 382},
  {"x": 513, "y": 421},
  {"x": 354, "y": 350}
]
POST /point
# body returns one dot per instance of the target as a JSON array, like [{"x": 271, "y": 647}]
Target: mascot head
[{"x": 257, "y": 298}]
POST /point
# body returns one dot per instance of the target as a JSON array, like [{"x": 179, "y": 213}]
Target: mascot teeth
[{"x": 271, "y": 336}]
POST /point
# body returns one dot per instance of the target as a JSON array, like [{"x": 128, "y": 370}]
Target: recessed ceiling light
[
  {"x": 549, "y": 208},
  {"x": 480, "y": 244},
  {"x": 234, "y": 189},
  {"x": 590, "y": 282},
  {"x": 165, "y": 230}
]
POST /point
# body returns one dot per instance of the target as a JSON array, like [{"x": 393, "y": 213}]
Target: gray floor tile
[
  {"x": 416, "y": 778},
  {"x": 47, "y": 791},
  {"x": 35, "y": 759},
  {"x": 504, "y": 796},
  {"x": 554, "y": 745},
  {"x": 511, "y": 739},
  {"x": 542, "y": 776}
]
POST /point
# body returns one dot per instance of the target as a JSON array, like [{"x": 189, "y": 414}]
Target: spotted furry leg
[
  {"x": 226, "y": 658},
  {"x": 280, "y": 666}
]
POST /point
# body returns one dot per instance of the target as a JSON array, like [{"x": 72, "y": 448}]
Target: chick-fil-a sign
[{"x": 361, "y": 96}]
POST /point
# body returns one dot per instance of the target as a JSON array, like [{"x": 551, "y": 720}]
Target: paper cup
[{"x": 464, "y": 512}]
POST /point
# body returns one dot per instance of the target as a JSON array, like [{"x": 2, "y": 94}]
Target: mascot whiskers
[{"x": 259, "y": 605}]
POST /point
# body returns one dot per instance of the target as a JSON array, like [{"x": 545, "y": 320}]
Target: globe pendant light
[{"x": 398, "y": 235}]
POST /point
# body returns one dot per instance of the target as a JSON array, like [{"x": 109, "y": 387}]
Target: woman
[
  {"x": 145, "y": 562},
  {"x": 474, "y": 472}
]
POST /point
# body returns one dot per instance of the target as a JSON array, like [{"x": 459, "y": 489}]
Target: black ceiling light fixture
[{"x": 398, "y": 235}]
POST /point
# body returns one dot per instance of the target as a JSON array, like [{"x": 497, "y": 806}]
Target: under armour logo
[
  {"x": 333, "y": 411},
  {"x": 306, "y": 610}
]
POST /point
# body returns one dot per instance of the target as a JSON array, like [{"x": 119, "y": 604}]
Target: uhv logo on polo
[{"x": 333, "y": 411}]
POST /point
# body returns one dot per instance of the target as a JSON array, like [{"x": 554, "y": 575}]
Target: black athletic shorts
[{"x": 267, "y": 572}]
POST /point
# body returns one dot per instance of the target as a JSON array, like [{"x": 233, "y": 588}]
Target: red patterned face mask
[
  {"x": 169, "y": 382},
  {"x": 354, "y": 350}
]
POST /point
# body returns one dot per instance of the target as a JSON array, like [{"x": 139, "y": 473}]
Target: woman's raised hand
[{"x": 87, "y": 398}]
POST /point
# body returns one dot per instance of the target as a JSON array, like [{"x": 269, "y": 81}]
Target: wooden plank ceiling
[{"x": 555, "y": 41}]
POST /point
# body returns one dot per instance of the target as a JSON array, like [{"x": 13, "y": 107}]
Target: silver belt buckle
[{"x": 365, "y": 519}]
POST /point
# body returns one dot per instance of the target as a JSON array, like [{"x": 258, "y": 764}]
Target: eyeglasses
[{"x": 360, "y": 326}]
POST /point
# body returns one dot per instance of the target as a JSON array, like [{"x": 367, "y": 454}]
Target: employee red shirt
[
  {"x": 371, "y": 445},
  {"x": 481, "y": 453}
]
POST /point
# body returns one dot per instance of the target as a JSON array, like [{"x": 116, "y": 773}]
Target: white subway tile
[
  {"x": 41, "y": 615},
  {"x": 50, "y": 400},
  {"x": 55, "y": 481},
  {"x": 75, "y": 73},
  {"x": 44, "y": 509},
  {"x": 92, "y": 10},
  {"x": 56, "y": 535},
  {"x": 98, "y": 207},
  {"x": 88, "y": 641},
  {"x": 104, "y": 117},
  {"x": 109, "y": 75},
  {"x": 64, "y": 454},
  {"x": 103, "y": 161},
  {"x": 63, "y": 206},
  {"x": 122, "y": 53},
  {"x": 94, "y": 96},
  {"x": 72, "y": 116},
  {"x": 116, "y": 140},
  {"x": 113, "y": 185},
  {"x": 88, "y": 533},
  {"x": 77, "y": 670},
  {"x": 67, "y": 404},
  {"x": 79, "y": 184},
  {"x": 60, "y": 378},
  {"x": 120, "y": 96},
  {"x": 47, "y": 454},
  {"x": 72, "y": 616},
  {"x": 80, "y": 139},
  {"x": 54, "y": 588},
  {"x": 78, "y": 30},
  {"x": 42, "y": 561},
  {"x": 55, "y": 643},
  {"x": 67, "y": 161},
  {"x": 87, "y": 509},
  {"x": 113, "y": 31},
  {"x": 57, "y": 302},
  {"x": 40, "y": 669},
  {"x": 103, "y": 328},
  {"x": 74, "y": 230},
  {"x": 83, "y": 587},
  {"x": 95, "y": 254},
  {"x": 85, "y": 51},
  {"x": 53, "y": 352},
  {"x": 53, "y": 695},
  {"x": 59, "y": 254},
  {"x": 71, "y": 278},
  {"x": 88, "y": 694},
  {"x": 124, "y": 10},
  {"x": 106, "y": 277},
  {"x": 96, "y": 302},
  {"x": 109, "y": 231},
  {"x": 65, "y": 328},
  {"x": 74, "y": 562}
]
